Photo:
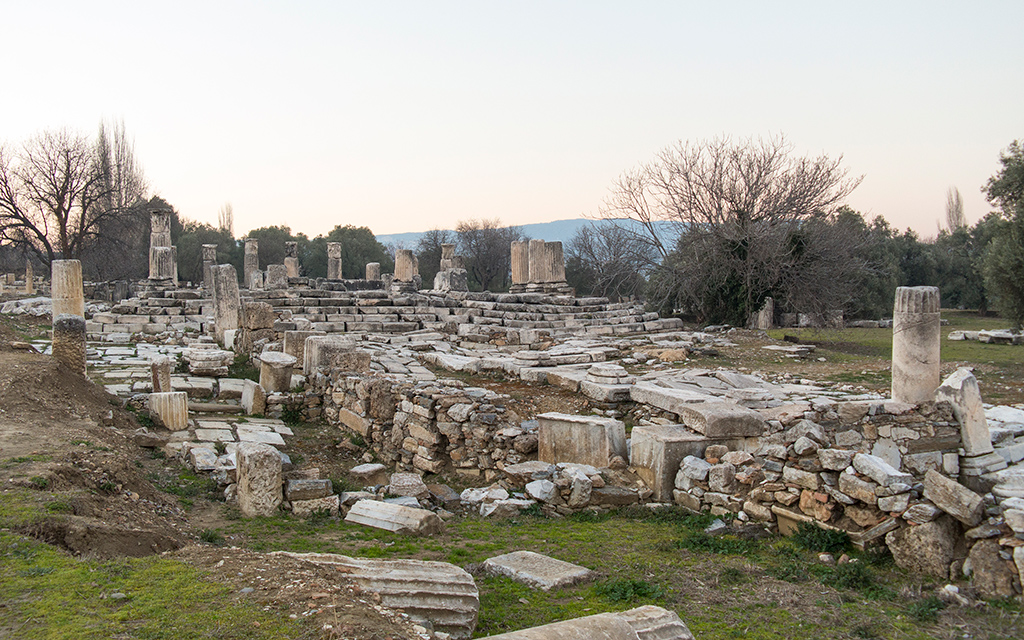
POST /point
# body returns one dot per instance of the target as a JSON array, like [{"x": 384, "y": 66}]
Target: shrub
[
  {"x": 629, "y": 590},
  {"x": 814, "y": 538}
]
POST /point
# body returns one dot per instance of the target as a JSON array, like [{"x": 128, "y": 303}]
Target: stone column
[
  {"x": 160, "y": 368},
  {"x": 447, "y": 254},
  {"x": 520, "y": 263},
  {"x": 334, "y": 261},
  {"x": 30, "y": 278},
  {"x": 225, "y": 300},
  {"x": 538, "y": 262},
  {"x": 162, "y": 257},
  {"x": 277, "y": 276},
  {"x": 169, "y": 409},
  {"x": 259, "y": 479},
  {"x": 555, "y": 261},
  {"x": 765, "y": 318},
  {"x": 291, "y": 259},
  {"x": 373, "y": 271},
  {"x": 405, "y": 265},
  {"x": 276, "y": 371},
  {"x": 66, "y": 288},
  {"x": 251, "y": 261},
  {"x": 915, "y": 344},
  {"x": 69, "y": 341},
  {"x": 209, "y": 259}
]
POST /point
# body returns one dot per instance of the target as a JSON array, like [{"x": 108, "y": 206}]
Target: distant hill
[{"x": 556, "y": 231}]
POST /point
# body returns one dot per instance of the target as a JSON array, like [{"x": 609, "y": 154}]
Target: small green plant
[
  {"x": 244, "y": 369},
  {"x": 624, "y": 590},
  {"x": 318, "y": 517},
  {"x": 107, "y": 487},
  {"x": 533, "y": 510},
  {"x": 211, "y": 536},
  {"x": 58, "y": 506},
  {"x": 731, "y": 575},
  {"x": 157, "y": 454},
  {"x": 852, "y": 575},
  {"x": 926, "y": 609},
  {"x": 220, "y": 448},
  {"x": 700, "y": 541},
  {"x": 357, "y": 439},
  {"x": 142, "y": 417},
  {"x": 39, "y": 482},
  {"x": 814, "y": 538},
  {"x": 866, "y": 632},
  {"x": 292, "y": 416}
]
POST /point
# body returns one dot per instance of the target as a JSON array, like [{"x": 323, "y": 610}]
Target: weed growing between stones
[
  {"x": 243, "y": 368},
  {"x": 814, "y": 538},
  {"x": 629, "y": 590},
  {"x": 926, "y": 609}
]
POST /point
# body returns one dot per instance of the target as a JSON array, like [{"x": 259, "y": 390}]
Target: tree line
[{"x": 707, "y": 229}]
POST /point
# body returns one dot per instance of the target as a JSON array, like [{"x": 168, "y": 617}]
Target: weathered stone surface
[
  {"x": 334, "y": 352},
  {"x": 408, "y": 484},
  {"x": 961, "y": 390},
  {"x": 276, "y": 371},
  {"x": 915, "y": 344},
  {"x": 722, "y": 419},
  {"x": 66, "y": 288},
  {"x": 880, "y": 471},
  {"x": 254, "y": 398},
  {"x": 803, "y": 479},
  {"x": 656, "y": 453},
  {"x": 646, "y": 623},
  {"x": 536, "y": 570},
  {"x": 835, "y": 459},
  {"x": 508, "y": 508},
  {"x": 928, "y": 548},
  {"x": 991, "y": 575},
  {"x": 393, "y": 517},
  {"x": 953, "y": 498},
  {"x": 921, "y": 513},
  {"x": 369, "y": 475},
  {"x": 542, "y": 490},
  {"x": 69, "y": 341},
  {"x": 259, "y": 479},
  {"x": 580, "y": 439},
  {"x": 307, "y": 489},
  {"x": 438, "y": 592},
  {"x": 169, "y": 409},
  {"x": 226, "y": 303},
  {"x": 856, "y": 488},
  {"x": 306, "y": 508}
]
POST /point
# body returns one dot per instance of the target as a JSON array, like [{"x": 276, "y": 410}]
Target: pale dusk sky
[{"x": 405, "y": 116}]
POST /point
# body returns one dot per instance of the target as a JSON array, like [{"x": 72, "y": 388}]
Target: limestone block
[
  {"x": 800, "y": 478},
  {"x": 880, "y": 471},
  {"x": 656, "y": 453},
  {"x": 277, "y": 276},
  {"x": 254, "y": 398},
  {"x": 915, "y": 344},
  {"x": 437, "y": 592},
  {"x": 334, "y": 261},
  {"x": 524, "y": 472},
  {"x": 169, "y": 409},
  {"x": 369, "y": 475},
  {"x": 927, "y": 548},
  {"x": 276, "y": 371},
  {"x": 258, "y": 315},
  {"x": 307, "y": 489},
  {"x": 953, "y": 498},
  {"x": 406, "y": 265},
  {"x": 542, "y": 490},
  {"x": 722, "y": 419},
  {"x": 160, "y": 370},
  {"x": 961, "y": 390},
  {"x": 991, "y": 575},
  {"x": 259, "y": 479},
  {"x": 226, "y": 303},
  {"x": 520, "y": 262},
  {"x": 536, "y": 570},
  {"x": 250, "y": 262},
  {"x": 835, "y": 459},
  {"x": 295, "y": 342},
  {"x": 393, "y": 517},
  {"x": 306, "y": 508},
  {"x": 373, "y": 271},
  {"x": 856, "y": 488},
  {"x": 580, "y": 439},
  {"x": 451, "y": 280},
  {"x": 408, "y": 484},
  {"x": 334, "y": 352},
  {"x": 66, "y": 288}
]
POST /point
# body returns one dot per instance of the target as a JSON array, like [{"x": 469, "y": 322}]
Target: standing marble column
[
  {"x": 538, "y": 262},
  {"x": 405, "y": 265},
  {"x": 291, "y": 259},
  {"x": 209, "y": 260},
  {"x": 69, "y": 341},
  {"x": 520, "y": 264},
  {"x": 162, "y": 256},
  {"x": 30, "y": 278},
  {"x": 372, "y": 271},
  {"x": 334, "y": 261},
  {"x": 447, "y": 254},
  {"x": 66, "y": 288},
  {"x": 251, "y": 261},
  {"x": 226, "y": 301},
  {"x": 555, "y": 262},
  {"x": 915, "y": 344}
]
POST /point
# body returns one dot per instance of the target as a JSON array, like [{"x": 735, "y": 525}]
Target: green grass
[
  {"x": 49, "y": 594},
  {"x": 243, "y": 368}
]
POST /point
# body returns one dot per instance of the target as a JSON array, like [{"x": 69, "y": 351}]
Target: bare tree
[
  {"x": 58, "y": 192},
  {"x": 486, "y": 245},
  {"x": 428, "y": 252},
  {"x": 740, "y": 218},
  {"x": 955, "y": 210},
  {"x": 608, "y": 259}
]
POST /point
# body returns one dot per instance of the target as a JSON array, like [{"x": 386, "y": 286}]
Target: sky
[{"x": 407, "y": 116}]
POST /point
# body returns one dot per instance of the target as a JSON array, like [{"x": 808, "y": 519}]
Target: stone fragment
[
  {"x": 804, "y": 479},
  {"x": 408, "y": 484},
  {"x": 879, "y": 470},
  {"x": 254, "y": 398},
  {"x": 921, "y": 513},
  {"x": 835, "y": 459},
  {"x": 66, "y": 288},
  {"x": 542, "y": 490},
  {"x": 169, "y": 409},
  {"x": 369, "y": 475},
  {"x": 69, "y": 341},
  {"x": 509, "y": 508},
  {"x": 226, "y": 302},
  {"x": 307, "y": 489},
  {"x": 738, "y": 458},
  {"x": 259, "y": 479},
  {"x": 160, "y": 372},
  {"x": 537, "y": 571},
  {"x": 721, "y": 477},
  {"x": 991, "y": 575},
  {"x": 953, "y": 498},
  {"x": 805, "y": 446},
  {"x": 276, "y": 371},
  {"x": 436, "y": 592},
  {"x": 580, "y": 439},
  {"x": 393, "y": 517},
  {"x": 325, "y": 504},
  {"x": 894, "y": 504},
  {"x": 646, "y": 623},
  {"x": 961, "y": 390},
  {"x": 856, "y": 488},
  {"x": 722, "y": 419},
  {"x": 928, "y": 548}
]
